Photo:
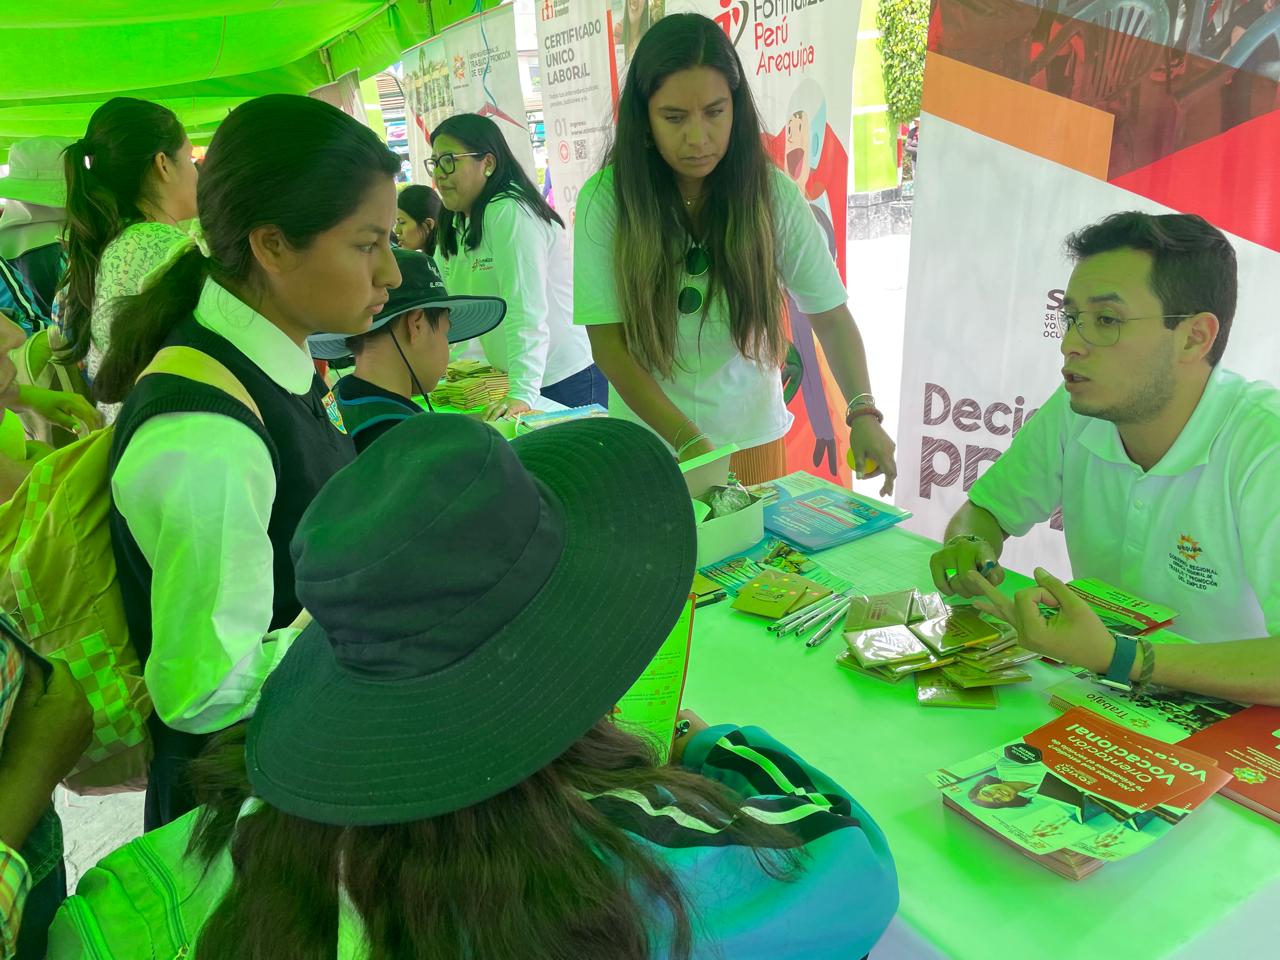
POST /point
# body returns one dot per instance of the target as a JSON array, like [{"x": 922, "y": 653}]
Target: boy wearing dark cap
[{"x": 405, "y": 353}]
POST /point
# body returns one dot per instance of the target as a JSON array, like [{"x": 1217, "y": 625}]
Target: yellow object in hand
[{"x": 868, "y": 465}]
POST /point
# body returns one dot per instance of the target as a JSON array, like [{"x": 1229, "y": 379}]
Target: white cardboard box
[{"x": 724, "y": 536}]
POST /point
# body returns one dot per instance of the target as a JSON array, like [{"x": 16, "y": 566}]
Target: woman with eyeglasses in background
[
  {"x": 683, "y": 244},
  {"x": 499, "y": 238}
]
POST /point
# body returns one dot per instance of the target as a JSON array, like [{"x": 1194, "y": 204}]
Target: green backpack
[
  {"x": 149, "y": 901},
  {"x": 145, "y": 900},
  {"x": 61, "y": 586}
]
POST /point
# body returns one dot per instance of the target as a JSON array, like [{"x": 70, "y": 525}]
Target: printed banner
[
  {"x": 631, "y": 21},
  {"x": 579, "y": 93},
  {"x": 799, "y": 59},
  {"x": 471, "y": 67},
  {"x": 1035, "y": 125}
]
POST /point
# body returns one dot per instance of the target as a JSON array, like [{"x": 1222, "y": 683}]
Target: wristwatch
[{"x": 1126, "y": 653}]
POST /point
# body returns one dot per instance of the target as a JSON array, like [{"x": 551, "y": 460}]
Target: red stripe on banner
[{"x": 1231, "y": 180}]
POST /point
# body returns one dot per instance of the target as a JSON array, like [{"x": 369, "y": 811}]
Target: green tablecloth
[{"x": 964, "y": 893}]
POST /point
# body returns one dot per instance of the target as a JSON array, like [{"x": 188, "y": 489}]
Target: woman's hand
[
  {"x": 1073, "y": 635},
  {"x": 50, "y": 728},
  {"x": 868, "y": 441},
  {"x": 506, "y": 407},
  {"x": 67, "y": 410},
  {"x": 696, "y": 723}
]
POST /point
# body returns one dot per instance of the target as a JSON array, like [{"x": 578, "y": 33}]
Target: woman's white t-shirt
[
  {"x": 731, "y": 398},
  {"x": 526, "y": 261}
]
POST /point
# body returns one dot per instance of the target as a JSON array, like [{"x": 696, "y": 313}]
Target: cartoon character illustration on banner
[{"x": 812, "y": 155}]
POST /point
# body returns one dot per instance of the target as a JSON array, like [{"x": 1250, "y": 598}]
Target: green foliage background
[{"x": 904, "y": 31}]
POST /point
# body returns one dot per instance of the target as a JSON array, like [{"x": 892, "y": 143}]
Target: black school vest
[{"x": 305, "y": 450}]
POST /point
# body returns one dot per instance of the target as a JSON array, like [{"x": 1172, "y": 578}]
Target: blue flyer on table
[{"x": 827, "y": 517}]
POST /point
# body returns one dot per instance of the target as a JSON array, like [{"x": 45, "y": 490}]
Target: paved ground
[{"x": 94, "y": 826}]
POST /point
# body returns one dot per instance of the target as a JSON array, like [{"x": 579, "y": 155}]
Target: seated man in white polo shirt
[{"x": 1166, "y": 468}]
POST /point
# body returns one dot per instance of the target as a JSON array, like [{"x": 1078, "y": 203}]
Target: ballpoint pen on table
[
  {"x": 789, "y": 623},
  {"x": 805, "y": 622},
  {"x": 827, "y": 627},
  {"x": 795, "y": 617}
]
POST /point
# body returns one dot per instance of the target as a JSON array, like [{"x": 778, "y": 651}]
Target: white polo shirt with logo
[
  {"x": 1199, "y": 531},
  {"x": 525, "y": 261}
]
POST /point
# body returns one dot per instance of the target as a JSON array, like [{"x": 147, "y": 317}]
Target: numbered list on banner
[{"x": 579, "y": 90}]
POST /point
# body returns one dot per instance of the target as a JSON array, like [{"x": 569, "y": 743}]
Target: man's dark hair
[
  {"x": 357, "y": 343},
  {"x": 1193, "y": 269}
]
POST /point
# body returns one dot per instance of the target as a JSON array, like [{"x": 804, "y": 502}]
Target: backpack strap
[{"x": 193, "y": 364}]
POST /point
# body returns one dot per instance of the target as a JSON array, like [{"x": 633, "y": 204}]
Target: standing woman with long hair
[
  {"x": 417, "y": 215},
  {"x": 683, "y": 244},
  {"x": 298, "y": 201},
  {"x": 501, "y": 239},
  {"x": 131, "y": 188}
]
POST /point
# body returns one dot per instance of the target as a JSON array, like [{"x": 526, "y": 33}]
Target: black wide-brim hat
[
  {"x": 420, "y": 288},
  {"x": 478, "y": 605}
]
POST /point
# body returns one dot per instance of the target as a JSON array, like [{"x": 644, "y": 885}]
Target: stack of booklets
[
  {"x": 1247, "y": 745},
  {"x": 1121, "y": 611},
  {"x": 1080, "y": 792},
  {"x": 470, "y": 392},
  {"x": 462, "y": 369},
  {"x": 1169, "y": 716},
  {"x": 1245, "y": 741},
  {"x": 957, "y": 656},
  {"x": 825, "y": 516}
]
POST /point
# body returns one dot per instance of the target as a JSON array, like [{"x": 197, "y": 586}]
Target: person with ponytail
[
  {"x": 501, "y": 239},
  {"x": 417, "y": 214},
  {"x": 298, "y": 202},
  {"x": 683, "y": 245},
  {"x": 131, "y": 194}
]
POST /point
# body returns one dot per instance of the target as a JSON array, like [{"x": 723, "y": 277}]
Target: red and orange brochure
[{"x": 1247, "y": 746}]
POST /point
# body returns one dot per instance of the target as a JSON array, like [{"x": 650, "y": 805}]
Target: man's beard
[{"x": 1147, "y": 398}]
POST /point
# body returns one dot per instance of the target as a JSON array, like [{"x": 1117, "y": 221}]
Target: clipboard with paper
[{"x": 650, "y": 707}]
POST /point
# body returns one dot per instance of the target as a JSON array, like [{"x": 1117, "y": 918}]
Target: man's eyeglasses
[
  {"x": 1101, "y": 328},
  {"x": 446, "y": 163},
  {"x": 696, "y": 263}
]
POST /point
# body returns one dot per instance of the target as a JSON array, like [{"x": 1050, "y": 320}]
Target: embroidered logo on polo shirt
[
  {"x": 1186, "y": 563},
  {"x": 1189, "y": 547},
  {"x": 481, "y": 264},
  {"x": 334, "y": 411}
]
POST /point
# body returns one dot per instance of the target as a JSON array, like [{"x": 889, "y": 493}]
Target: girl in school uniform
[{"x": 299, "y": 201}]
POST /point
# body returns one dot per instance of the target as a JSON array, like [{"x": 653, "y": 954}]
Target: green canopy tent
[{"x": 62, "y": 58}]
